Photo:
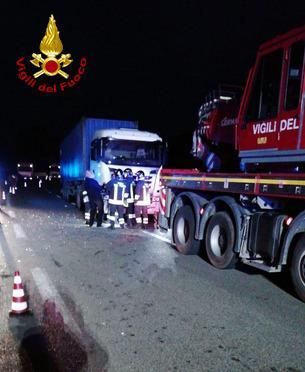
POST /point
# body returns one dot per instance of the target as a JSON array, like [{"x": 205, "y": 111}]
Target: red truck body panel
[{"x": 280, "y": 134}]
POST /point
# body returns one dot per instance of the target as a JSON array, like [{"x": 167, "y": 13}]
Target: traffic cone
[{"x": 19, "y": 304}]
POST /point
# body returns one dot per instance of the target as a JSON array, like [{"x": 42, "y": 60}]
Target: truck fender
[
  {"x": 222, "y": 203},
  {"x": 196, "y": 201},
  {"x": 297, "y": 227}
]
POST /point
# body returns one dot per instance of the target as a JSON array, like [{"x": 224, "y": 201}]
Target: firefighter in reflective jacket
[
  {"x": 116, "y": 189},
  {"x": 86, "y": 206},
  {"x": 94, "y": 190},
  {"x": 142, "y": 200},
  {"x": 130, "y": 190}
]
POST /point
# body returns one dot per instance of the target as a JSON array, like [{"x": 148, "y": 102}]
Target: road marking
[
  {"x": 11, "y": 214},
  {"x": 48, "y": 292},
  {"x": 158, "y": 237},
  {"x": 20, "y": 234}
]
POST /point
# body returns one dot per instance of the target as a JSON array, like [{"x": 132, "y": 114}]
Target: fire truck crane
[
  {"x": 214, "y": 137},
  {"x": 248, "y": 202}
]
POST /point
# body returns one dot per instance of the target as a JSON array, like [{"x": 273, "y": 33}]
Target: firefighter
[
  {"x": 105, "y": 197},
  {"x": 105, "y": 194},
  {"x": 130, "y": 189},
  {"x": 87, "y": 206},
  {"x": 94, "y": 190},
  {"x": 142, "y": 200},
  {"x": 116, "y": 189}
]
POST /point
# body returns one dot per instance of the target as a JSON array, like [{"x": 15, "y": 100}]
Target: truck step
[{"x": 259, "y": 264}]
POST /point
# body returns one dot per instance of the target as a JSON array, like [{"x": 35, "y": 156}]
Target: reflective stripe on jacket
[
  {"x": 142, "y": 196},
  {"x": 117, "y": 192},
  {"x": 130, "y": 190}
]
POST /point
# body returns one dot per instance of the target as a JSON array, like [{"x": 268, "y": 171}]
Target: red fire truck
[{"x": 252, "y": 208}]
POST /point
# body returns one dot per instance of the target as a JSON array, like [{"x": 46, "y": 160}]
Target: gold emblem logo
[{"x": 51, "y": 46}]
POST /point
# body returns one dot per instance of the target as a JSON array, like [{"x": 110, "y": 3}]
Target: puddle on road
[
  {"x": 34, "y": 353},
  {"x": 52, "y": 346}
]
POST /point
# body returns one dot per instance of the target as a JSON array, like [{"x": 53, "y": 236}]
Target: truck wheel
[
  {"x": 219, "y": 241},
  {"x": 297, "y": 268},
  {"x": 79, "y": 200},
  {"x": 184, "y": 231}
]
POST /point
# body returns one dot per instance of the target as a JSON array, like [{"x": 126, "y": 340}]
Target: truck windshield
[{"x": 117, "y": 151}]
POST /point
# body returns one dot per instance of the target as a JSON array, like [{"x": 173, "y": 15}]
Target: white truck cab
[{"x": 123, "y": 148}]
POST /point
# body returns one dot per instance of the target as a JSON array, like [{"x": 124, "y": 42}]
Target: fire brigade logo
[
  {"x": 51, "y": 46},
  {"x": 51, "y": 62}
]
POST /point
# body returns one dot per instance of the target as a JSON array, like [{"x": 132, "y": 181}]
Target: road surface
[{"x": 126, "y": 300}]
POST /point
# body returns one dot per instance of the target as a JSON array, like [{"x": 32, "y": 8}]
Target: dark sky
[{"x": 150, "y": 61}]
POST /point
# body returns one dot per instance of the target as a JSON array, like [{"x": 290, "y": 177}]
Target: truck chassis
[{"x": 258, "y": 219}]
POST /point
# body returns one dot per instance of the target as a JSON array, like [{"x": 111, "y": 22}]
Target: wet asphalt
[{"x": 123, "y": 300}]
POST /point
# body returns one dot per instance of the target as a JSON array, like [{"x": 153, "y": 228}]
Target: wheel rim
[
  {"x": 302, "y": 267},
  {"x": 218, "y": 241},
  {"x": 183, "y": 230}
]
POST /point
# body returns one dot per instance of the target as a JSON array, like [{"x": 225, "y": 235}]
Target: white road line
[
  {"x": 20, "y": 234},
  {"x": 2, "y": 259},
  {"x": 11, "y": 214},
  {"x": 48, "y": 292},
  {"x": 158, "y": 237}
]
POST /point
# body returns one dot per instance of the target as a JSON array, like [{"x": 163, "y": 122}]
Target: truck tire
[
  {"x": 219, "y": 241},
  {"x": 297, "y": 268},
  {"x": 79, "y": 200},
  {"x": 184, "y": 231}
]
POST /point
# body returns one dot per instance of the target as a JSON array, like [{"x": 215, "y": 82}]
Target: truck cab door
[
  {"x": 291, "y": 126},
  {"x": 271, "y": 126},
  {"x": 259, "y": 130}
]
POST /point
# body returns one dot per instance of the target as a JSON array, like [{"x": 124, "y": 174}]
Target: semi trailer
[
  {"x": 247, "y": 202},
  {"x": 105, "y": 145}
]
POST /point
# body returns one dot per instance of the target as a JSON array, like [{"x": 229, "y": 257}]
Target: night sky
[{"x": 148, "y": 61}]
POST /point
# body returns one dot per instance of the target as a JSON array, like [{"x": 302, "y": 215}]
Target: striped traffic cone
[{"x": 19, "y": 303}]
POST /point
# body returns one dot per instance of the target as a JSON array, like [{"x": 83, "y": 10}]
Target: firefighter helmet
[
  {"x": 127, "y": 172},
  {"x": 140, "y": 175},
  {"x": 119, "y": 173}
]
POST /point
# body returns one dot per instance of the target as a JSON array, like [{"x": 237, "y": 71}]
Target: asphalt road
[{"x": 125, "y": 300}]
